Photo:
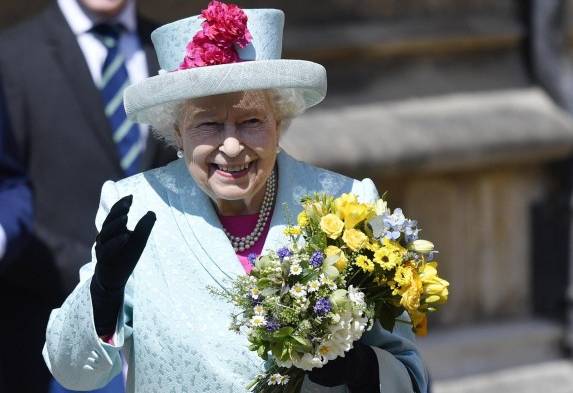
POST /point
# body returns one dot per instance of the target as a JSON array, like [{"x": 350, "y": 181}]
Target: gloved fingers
[
  {"x": 109, "y": 250},
  {"x": 119, "y": 208},
  {"x": 140, "y": 234},
  {"x": 112, "y": 229}
]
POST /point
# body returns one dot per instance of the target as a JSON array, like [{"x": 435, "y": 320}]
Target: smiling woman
[
  {"x": 223, "y": 99},
  {"x": 230, "y": 144}
]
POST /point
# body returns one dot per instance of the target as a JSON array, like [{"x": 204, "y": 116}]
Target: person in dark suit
[
  {"x": 15, "y": 202},
  {"x": 15, "y": 195},
  {"x": 63, "y": 73}
]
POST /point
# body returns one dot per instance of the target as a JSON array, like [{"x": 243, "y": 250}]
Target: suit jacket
[
  {"x": 173, "y": 330},
  {"x": 15, "y": 193},
  {"x": 64, "y": 140}
]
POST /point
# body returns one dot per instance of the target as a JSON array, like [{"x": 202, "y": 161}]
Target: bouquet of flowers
[{"x": 347, "y": 264}]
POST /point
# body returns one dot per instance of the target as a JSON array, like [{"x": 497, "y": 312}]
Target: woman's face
[{"x": 230, "y": 144}]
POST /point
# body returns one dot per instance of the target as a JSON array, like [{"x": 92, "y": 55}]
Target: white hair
[{"x": 286, "y": 105}]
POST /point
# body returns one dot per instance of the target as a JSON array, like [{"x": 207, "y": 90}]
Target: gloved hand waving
[{"x": 117, "y": 251}]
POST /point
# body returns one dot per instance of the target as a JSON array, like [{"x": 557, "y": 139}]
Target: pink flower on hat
[{"x": 224, "y": 27}]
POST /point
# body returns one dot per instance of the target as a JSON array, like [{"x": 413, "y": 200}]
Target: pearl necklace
[{"x": 242, "y": 243}]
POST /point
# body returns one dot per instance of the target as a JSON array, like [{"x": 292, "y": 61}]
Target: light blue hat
[{"x": 152, "y": 100}]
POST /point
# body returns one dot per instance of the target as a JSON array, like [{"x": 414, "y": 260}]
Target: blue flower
[
  {"x": 272, "y": 325},
  {"x": 411, "y": 230},
  {"x": 316, "y": 259},
  {"x": 284, "y": 252},
  {"x": 394, "y": 224},
  {"x": 252, "y": 257},
  {"x": 322, "y": 306}
]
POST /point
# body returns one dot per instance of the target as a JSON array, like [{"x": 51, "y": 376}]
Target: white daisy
[
  {"x": 255, "y": 292},
  {"x": 295, "y": 269},
  {"x": 274, "y": 379},
  {"x": 313, "y": 286},
  {"x": 283, "y": 379},
  {"x": 298, "y": 290},
  {"x": 258, "y": 321},
  {"x": 259, "y": 310}
]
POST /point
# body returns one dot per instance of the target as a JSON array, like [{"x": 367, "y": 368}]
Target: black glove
[
  {"x": 358, "y": 370},
  {"x": 117, "y": 250}
]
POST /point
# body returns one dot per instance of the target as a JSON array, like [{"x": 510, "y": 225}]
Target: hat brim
[{"x": 148, "y": 101}]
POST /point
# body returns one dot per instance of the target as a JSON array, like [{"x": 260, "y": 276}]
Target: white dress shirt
[{"x": 95, "y": 51}]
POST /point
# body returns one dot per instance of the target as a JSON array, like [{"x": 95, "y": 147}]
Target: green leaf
[
  {"x": 387, "y": 314},
  {"x": 301, "y": 344},
  {"x": 277, "y": 349},
  {"x": 283, "y": 332}
]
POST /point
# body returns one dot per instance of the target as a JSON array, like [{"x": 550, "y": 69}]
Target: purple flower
[
  {"x": 316, "y": 259},
  {"x": 252, "y": 257},
  {"x": 284, "y": 252},
  {"x": 322, "y": 306},
  {"x": 272, "y": 325}
]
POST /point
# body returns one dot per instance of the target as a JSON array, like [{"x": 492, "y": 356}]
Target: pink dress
[{"x": 242, "y": 226}]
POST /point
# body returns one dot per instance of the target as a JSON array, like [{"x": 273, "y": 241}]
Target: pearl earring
[
  {"x": 278, "y": 149},
  {"x": 180, "y": 153}
]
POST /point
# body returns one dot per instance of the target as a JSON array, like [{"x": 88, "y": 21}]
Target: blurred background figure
[
  {"x": 15, "y": 206},
  {"x": 456, "y": 107},
  {"x": 64, "y": 71}
]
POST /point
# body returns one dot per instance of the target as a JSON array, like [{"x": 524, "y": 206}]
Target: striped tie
[{"x": 114, "y": 80}]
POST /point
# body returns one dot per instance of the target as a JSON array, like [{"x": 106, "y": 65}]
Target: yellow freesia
[
  {"x": 355, "y": 239},
  {"x": 342, "y": 201},
  {"x": 421, "y": 246},
  {"x": 435, "y": 288},
  {"x": 331, "y": 225},
  {"x": 354, "y": 213}
]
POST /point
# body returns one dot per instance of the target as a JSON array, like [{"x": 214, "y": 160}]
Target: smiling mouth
[{"x": 233, "y": 170}]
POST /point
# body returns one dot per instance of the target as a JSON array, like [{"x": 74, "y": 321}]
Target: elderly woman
[{"x": 224, "y": 102}]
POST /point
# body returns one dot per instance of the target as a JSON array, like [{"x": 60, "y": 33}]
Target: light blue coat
[{"x": 172, "y": 331}]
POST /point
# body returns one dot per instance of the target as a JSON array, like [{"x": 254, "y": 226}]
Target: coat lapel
[
  {"x": 201, "y": 229},
  {"x": 68, "y": 54}
]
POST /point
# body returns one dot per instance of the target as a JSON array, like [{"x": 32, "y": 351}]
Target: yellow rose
[
  {"x": 341, "y": 261},
  {"x": 331, "y": 225},
  {"x": 354, "y": 239},
  {"x": 411, "y": 297},
  {"x": 302, "y": 219}
]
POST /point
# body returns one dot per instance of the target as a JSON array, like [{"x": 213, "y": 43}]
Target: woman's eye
[
  {"x": 208, "y": 124},
  {"x": 253, "y": 121}
]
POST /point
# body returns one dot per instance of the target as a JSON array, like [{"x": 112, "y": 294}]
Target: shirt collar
[{"x": 81, "y": 22}]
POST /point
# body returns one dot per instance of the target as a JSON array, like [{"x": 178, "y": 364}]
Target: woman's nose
[{"x": 231, "y": 145}]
